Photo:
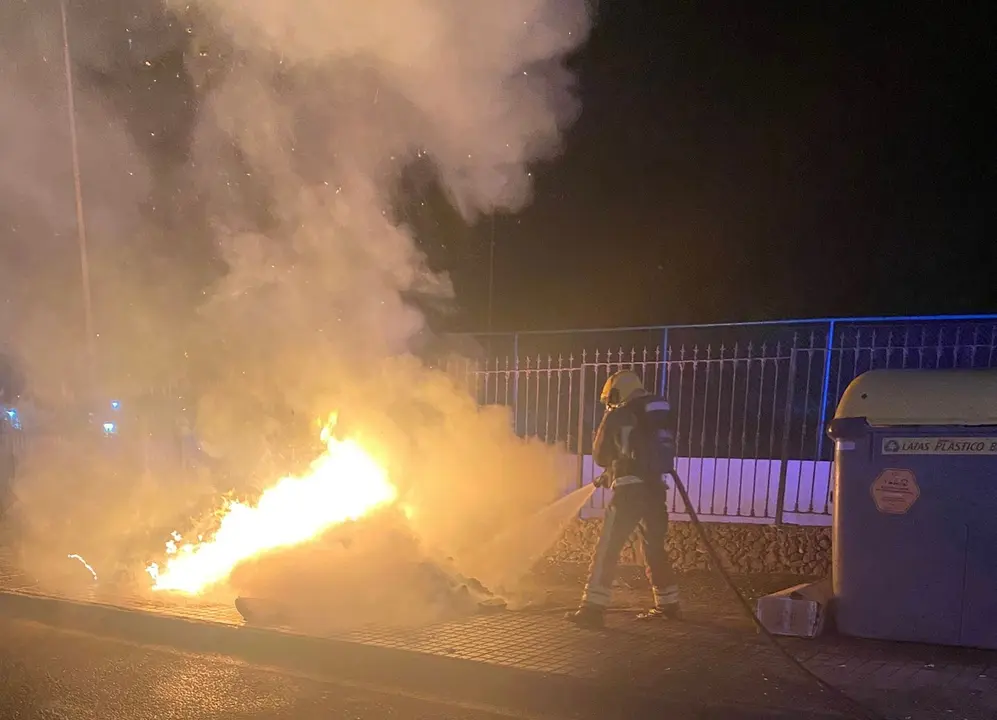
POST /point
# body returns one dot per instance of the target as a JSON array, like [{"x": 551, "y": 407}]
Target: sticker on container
[
  {"x": 895, "y": 491},
  {"x": 939, "y": 446}
]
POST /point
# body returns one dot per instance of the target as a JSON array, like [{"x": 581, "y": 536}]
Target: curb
[{"x": 430, "y": 676}]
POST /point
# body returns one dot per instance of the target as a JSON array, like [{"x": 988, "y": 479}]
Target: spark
[{"x": 84, "y": 563}]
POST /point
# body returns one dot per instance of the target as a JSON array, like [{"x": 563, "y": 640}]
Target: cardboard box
[{"x": 798, "y": 611}]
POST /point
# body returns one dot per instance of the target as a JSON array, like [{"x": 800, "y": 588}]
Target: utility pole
[{"x": 81, "y": 228}]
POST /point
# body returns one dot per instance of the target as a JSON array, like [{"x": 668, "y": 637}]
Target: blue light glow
[
  {"x": 110, "y": 428},
  {"x": 15, "y": 421},
  {"x": 115, "y": 405}
]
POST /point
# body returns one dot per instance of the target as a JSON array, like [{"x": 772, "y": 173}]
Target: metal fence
[{"x": 752, "y": 400}]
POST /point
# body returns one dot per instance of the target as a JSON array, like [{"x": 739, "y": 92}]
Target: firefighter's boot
[
  {"x": 587, "y": 616},
  {"x": 671, "y": 611}
]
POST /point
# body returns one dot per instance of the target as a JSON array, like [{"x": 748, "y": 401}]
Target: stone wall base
[{"x": 790, "y": 549}]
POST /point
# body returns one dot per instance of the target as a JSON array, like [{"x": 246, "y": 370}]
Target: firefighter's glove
[{"x": 603, "y": 481}]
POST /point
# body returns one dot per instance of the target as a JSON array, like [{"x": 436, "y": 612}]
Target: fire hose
[{"x": 861, "y": 710}]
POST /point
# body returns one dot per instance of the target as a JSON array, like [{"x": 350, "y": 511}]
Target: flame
[{"x": 344, "y": 483}]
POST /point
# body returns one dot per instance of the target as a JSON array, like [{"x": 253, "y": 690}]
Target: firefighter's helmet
[{"x": 621, "y": 387}]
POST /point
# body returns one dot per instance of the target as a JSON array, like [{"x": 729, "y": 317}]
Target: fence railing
[{"x": 752, "y": 400}]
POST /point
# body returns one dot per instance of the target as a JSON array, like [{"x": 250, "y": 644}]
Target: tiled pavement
[
  {"x": 705, "y": 661},
  {"x": 907, "y": 681}
]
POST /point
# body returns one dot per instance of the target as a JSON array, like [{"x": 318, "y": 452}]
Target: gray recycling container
[{"x": 915, "y": 507}]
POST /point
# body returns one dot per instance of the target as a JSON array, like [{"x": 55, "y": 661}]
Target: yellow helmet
[{"x": 621, "y": 387}]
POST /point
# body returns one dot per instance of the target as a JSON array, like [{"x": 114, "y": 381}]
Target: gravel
[{"x": 746, "y": 549}]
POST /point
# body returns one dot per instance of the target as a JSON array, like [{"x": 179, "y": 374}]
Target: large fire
[{"x": 344, "y": 483}]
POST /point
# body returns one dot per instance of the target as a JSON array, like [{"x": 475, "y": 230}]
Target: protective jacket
[{"x": 636, "y": 441}]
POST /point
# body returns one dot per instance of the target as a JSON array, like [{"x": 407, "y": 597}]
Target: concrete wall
[{"x": 744, "y": 548}]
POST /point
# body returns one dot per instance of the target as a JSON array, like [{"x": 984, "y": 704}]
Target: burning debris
[
  {"x": 324, "y": 526},
  {"x": 344, "y": 483},
  {"x": 439, "y": 589}
]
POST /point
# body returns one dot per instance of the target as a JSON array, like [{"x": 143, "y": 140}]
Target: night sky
[{"x": 739, "y": 161}]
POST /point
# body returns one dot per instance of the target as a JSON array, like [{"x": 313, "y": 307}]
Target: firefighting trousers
[{"x": 639, "y": 507}]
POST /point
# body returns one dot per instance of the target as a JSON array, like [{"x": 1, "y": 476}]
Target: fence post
[
  {"x": 787, "y": 421},
  {"x": 825, "y": 387},
  {"x": 580, "y": 447},
  {"x": 662, "y": 391},
  {"x": 515, "y": 382}
]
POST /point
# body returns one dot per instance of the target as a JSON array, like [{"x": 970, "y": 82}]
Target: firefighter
[{"x": 636, "y": 444}]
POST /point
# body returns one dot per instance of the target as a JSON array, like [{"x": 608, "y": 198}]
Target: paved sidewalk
[
  {"x": 907, "y": 681},
  {"x": 712, "y": 657}
]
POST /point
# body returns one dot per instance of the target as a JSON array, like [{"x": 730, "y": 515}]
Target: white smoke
[
  {"x": 304, "y": 115},
  {"x": 310, "y": 112},
  {"x": 41, "y": 308}
]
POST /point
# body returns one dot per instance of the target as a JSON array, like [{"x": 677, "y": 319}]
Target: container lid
[{"x": 922, "y": 397}]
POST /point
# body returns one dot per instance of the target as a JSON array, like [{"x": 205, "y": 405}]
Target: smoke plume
[{"x": 240, "y": 163}]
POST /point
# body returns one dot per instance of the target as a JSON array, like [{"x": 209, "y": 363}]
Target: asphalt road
[{"x": 49, "y": 674}]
